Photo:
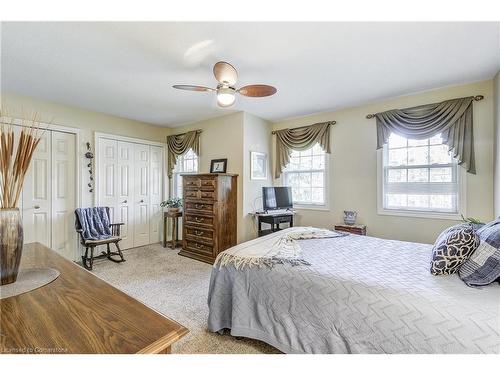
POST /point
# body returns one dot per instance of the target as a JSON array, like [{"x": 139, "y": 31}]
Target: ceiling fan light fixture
[
  {"x": 227, "y": 76},
  {"x": 225, "y": 97}
]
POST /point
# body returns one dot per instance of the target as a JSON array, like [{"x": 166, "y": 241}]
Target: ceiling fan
[{"x": 227, "y": 75}]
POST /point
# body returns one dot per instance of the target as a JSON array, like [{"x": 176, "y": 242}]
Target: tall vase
[{"x": 11, "y": 244}]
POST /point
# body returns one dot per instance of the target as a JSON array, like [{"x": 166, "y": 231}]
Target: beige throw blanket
[{"x": 275, "y": 248}]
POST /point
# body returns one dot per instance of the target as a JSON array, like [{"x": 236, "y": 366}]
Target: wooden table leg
[
  {"x": 166, "y": 351},
  {"x": 164, "y": 231},
  {"x": 174, "y": 227}
]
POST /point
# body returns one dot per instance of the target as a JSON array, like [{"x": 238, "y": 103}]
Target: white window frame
[
  {"x": 176, "y": 175},
  {"x": 381, "y": 210},
  {"x": 319, "y": 207}
]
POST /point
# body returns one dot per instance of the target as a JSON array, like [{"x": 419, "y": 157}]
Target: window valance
[
  {"x": 452, "y": 118},
  {"x": 300, "y": 139},
  {"x": 179, "y": 144}
]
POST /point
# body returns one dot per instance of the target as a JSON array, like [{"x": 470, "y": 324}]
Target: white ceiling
[{"x": 127, "y": 69}]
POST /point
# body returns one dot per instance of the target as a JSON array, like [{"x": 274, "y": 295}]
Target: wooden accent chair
[{"x": 90, "y": 243}]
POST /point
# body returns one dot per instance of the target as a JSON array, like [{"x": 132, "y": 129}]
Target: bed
[{"x": 359, "y": 294}]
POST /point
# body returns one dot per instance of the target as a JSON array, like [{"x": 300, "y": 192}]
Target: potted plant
[
  {"x": 15, "y": 158},
  {"x": 173, "y": 204}
]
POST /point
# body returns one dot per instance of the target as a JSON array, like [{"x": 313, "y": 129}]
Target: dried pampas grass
[{"x": 15, "y": 158}]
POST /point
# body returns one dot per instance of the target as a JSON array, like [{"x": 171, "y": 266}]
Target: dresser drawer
[
  {"x": 207, "y": 195},
  {"x": 197, "y": 207},
  {"x": 207, "y": 184},
  {"x": 199, "y": 194},
  {"x": 197, "y": 220},
  {"x": 191, "y": 182},
  {"x": 194, "y": 194},
  {"x": 199, "y": 247},
  {"x": 200, "y": 234}
]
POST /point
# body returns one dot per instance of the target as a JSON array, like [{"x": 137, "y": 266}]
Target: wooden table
[
  {"x": 275, "y": 220},
  {"x": 356, "y": 229},
  {"x": 80, "y": 313},
  {"x": 175, "y": 228}
]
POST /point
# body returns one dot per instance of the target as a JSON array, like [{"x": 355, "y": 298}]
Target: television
[{"x": 277, "y": 198}]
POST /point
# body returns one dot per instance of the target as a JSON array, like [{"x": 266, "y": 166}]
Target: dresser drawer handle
[
  {"x": 198, "y": 232},
  {"x": 199, "y": 245},
  {"x": 199, "y": 206},
  {"x": 198, "y": 220}
]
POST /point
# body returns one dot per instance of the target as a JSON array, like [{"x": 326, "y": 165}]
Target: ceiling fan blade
[
  {"x": 257, "y": 90},
  {"x": 192, "y": 88},
  {"x": 225, "y": 73}
]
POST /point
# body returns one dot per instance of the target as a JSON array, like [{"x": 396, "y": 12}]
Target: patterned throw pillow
[
  {"x": 483, "y": 267},
  {"x": 452, "y": 248}
]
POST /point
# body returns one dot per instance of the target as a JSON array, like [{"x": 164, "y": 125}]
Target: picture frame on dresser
[{"x": 218, "y": 166}]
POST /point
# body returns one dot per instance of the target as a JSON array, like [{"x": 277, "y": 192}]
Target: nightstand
[{"x": 355, "y": 229}]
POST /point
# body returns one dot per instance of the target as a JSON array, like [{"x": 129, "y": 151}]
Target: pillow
[
  {"x": 483, "y": 267},
  {"x": 452, "y": 248}
]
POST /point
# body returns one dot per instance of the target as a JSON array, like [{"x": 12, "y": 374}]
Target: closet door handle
[
  {"x": 125, "y": 201},
  {"x": 141, "y": 201},
  {"x": 36, "y": 207}
]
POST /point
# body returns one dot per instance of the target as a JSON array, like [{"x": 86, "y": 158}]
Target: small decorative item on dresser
[
  {"x": 218, "y": 166},
  {"x": 350, "y": 217},
  {"x": 355, "y": 229}
]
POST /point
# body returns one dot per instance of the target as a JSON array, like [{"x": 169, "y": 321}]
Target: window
[
  {"x": 419, "y": 175},
  {"x": 187, "y": 163},
  {"x": 306, "y": 175}
]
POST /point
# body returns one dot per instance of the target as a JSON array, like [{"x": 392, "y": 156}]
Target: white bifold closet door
[
  {"x": 130, "y": 183},
  {"x": 142, "y": 188},
  {"x": 155, "y": 198},
  {"x": 49, "y": 194}
]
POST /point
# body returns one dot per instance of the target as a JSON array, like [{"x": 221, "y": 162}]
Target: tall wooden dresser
[{"x": 210, "y": 214}]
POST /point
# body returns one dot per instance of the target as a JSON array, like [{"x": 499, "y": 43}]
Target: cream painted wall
[
  {"x": 87, "y": 121},
  {"x": 496, "y": 82},
  {"x": 256, "y": 137},
  {"x": 353, "y": 166},
  {"x": 222, "y": 137},
  {"x": 352, "y": 174}
]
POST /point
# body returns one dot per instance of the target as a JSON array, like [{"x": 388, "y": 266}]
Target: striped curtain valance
[
  {"x": 179, "y": 144},
  {"x": 300, "y": 139},
  {"x": 452, "y": 118}
]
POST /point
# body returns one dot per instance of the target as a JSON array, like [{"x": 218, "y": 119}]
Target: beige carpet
[{"x": 177, "y": 287}]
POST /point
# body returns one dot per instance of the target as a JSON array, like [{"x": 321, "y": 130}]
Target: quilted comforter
[{"x": 359, "y": 295}]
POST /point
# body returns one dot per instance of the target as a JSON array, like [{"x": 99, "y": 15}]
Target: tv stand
[{"x": 275, "y": 219}]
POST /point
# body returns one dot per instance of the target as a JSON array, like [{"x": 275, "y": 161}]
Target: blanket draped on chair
[
  {"x": 94, "y": 222},
  {"x": 276, "y": 248}
]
